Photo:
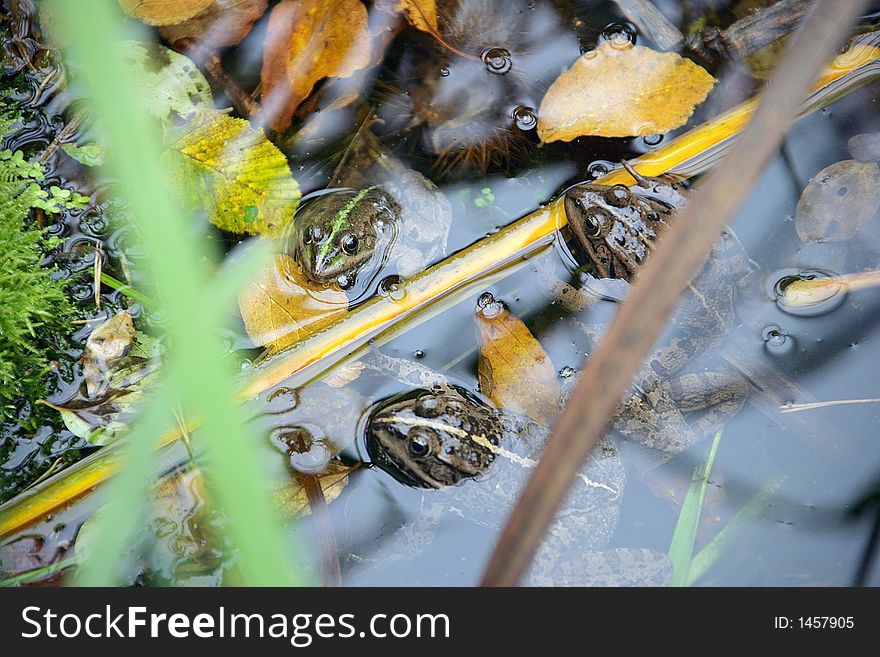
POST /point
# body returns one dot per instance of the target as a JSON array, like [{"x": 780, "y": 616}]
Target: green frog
[{"x": 378, "y": 215}]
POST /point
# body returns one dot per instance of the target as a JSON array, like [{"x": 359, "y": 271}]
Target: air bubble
[
  {"x": 444, "y": 72},
  {"x": 488, "y": 306},
  {"x": 497, "y": 60},
  {"x": 418, "y": 354},
  {"x": 525, "y": 117},
  {"x": 313, "y": 461},
  {"x": 392, "y": 288},
  {"x": 567, "y": 372},
  {"x": 652, "y": 140},
  {"x": 599, "y": 168},
  {"x": 620, "y": 35},
  {"x": 777, "y": 341}
]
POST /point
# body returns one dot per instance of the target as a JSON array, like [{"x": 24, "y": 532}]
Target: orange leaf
[
  {"x": 306, "y": 42},
  {"x": 514, "y": 371},
  {"x": 622, "y": 92},
  {"x": 164, "y": 12},
  {"x": 223, "y": 23},
  {"x": 421, "y": 14},
  {"x": 280, "y": 305}
]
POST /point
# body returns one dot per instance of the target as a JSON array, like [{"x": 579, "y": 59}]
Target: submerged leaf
[
  {"x": 281, "y": 305},
  {"x": 164, "y": 12},
  {"x": 622, "y": 92},
  {"x": 224, "y": 165},
  {"x": 170, "y": 86},
  {"x": 90, "y": 155},
  {"x": 838, "y": 202},
  {"x": 223, "y": 23},
  {"x": 306, "y": 42},
  {"x": 514, "y": 371},
  {"x": 107, "y": 343},
  {"x": 293, "y": 501}
]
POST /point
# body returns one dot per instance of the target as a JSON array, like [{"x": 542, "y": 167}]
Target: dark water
[{"x": 825, "y": 460}]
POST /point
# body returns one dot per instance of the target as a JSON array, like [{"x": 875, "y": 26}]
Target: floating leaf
[
  {"x": 235, "y": 173},
  {"x": 838, "y": 201},
  {"x": 107, "y": 343},
  {"x": 513, "y": 370},
  {"x": 171, "y": 87},
  {"x": 164, "y": 12},
  {"x": 622, "y": 92},
  {"x": 280, "y": 305},
  {"x": 223, "y": 23},
  {"x": 306, "y": 42},
  {"x": 90, "y": 155}
]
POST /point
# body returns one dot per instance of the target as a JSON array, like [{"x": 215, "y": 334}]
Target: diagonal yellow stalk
[{"x": 453, "y": 276}]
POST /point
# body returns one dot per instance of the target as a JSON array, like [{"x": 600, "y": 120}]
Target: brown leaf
[
  {"x": 513, "y": 370},
  {"x": 306, "y": 42},
  {"x": 223, "y": 23},
  {"x": 293, "y": 501},
  {"x": 622, "y": 92},
  {"x": 838, "y": 202},
  {"x": 106, "y": 344},
  {"x": 280, "y": 305},
  {"x": 164, "y": 12}
]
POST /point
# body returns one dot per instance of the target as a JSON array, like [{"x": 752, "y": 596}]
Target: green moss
[{"x": 34, "y": 308}]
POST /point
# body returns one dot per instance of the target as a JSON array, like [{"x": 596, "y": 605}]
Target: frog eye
[
  {"x": 419, "y": 443},
  {"x": 616, "y": 196},
  {"x": 592, "y": 224},
  {"x": 307, "y": 235},
  {"x": 349, "y": 244}
]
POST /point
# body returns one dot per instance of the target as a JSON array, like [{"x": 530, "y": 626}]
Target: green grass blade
[
  {"x": 707, "y": 557},
  {"x": 127, "y": 290},
  {"x": 681, "y": 548},
  {"x": 197, "y": 378},
  {"x": 38, "y": 573}
]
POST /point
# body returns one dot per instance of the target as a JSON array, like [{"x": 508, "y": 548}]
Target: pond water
[{"x": 787, "y": 489}]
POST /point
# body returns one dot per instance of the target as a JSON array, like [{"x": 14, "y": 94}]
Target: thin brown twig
[{"x": 639, "y": 323}]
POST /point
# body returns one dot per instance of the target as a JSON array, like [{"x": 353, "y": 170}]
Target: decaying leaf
[
  {"x": 514, "y": 371},
  {"x": 106, "y": 344},
  {"x": 839, "y": 200},
  {"x": 164, "y": 12},
  {"x": 223, "y": 23},
  {"x": 307, "y": 41},
  {"x": 293, "y": 501},
  {"x": 622, "y": 92},
  {"x": 102, "y": 419},
  {"x": 280, "y": 305},
  {"x": 170, "y": 86},
  {"x": 231, "y": 170}
]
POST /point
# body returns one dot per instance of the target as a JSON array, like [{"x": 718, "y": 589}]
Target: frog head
[
  {"x": 433, "y": 438},
  {"x": 616, "y": 226},
  {"x": 339, "y": 232}
]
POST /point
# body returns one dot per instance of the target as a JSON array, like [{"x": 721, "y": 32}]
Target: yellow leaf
[
  {"x": 164, "y": 12},
  {"x": 280, "y": 305},
  {"x": 840, "y": 200},
  {"x": 306, "y": 42},
  {"x": 513, "y": 370},
  {"x": 421, "y": 14},
  {"x": 223, "y": 23},
  {"x": 293, "y": 501},
  {"x": 622, "y": 92},
  {"x": 238, "y": 176}
]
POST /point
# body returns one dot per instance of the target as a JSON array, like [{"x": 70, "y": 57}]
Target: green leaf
[
  {"x": 238, "y": 176},
  {"x": 90, "y": 155},
  {"x": 169, "y": 85}
]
